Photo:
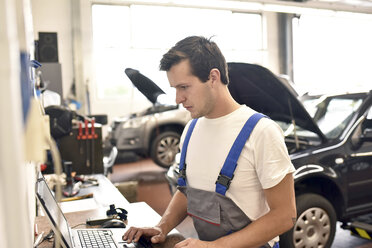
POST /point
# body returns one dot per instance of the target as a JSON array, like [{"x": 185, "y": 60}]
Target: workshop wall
[{"x": 55, "y": 16}]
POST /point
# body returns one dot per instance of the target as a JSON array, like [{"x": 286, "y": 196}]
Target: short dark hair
[{"x": 203, "y": 55}]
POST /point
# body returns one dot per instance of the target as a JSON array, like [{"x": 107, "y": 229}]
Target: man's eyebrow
[{"x": 180, "y": 85}]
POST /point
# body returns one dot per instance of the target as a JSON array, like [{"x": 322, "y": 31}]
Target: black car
[{"x": 330, "y": 145}]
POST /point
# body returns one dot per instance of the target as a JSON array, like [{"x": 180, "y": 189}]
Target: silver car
[{"x": 154, "y": 132}]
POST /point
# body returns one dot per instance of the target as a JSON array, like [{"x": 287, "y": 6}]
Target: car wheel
[
  {"x": 164, "y": 148},
  {"x": 315, "y": 225}
]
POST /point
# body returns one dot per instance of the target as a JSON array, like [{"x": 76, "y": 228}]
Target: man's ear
[{"x": 215, "y": 75}]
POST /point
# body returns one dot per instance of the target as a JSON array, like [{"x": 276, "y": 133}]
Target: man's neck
[{"x": 224, "y": 107}]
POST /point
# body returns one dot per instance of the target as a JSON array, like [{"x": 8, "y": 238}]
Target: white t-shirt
[{"x": 263, "y": 163}]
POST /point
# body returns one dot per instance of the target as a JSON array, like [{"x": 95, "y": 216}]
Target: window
[
  {"x": 137, "y": 36},
  {"x": 332, "y": 53}
]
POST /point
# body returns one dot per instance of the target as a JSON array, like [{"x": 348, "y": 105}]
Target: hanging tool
[
  {"x": 87, "y": 142},
  {"x": 93, "y": 137},
  {"x": 80, "y": 137}
]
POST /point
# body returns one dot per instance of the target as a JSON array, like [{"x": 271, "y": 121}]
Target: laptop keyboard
[{"x": 96, "y": 239}]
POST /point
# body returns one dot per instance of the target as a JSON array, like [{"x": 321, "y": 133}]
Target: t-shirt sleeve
[{"x": 271, "y": 155}]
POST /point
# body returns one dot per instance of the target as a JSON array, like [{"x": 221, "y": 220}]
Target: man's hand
[
  {"x": 134, "y": 233},
  {"x": 173, "y": 215},
  {"x": 192, "y": 243}
]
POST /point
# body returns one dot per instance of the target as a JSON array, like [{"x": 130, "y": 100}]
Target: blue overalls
[{"x": 215, "y": 215}]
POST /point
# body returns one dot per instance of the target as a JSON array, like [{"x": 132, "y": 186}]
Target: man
[{"x": 236, "y": 177}]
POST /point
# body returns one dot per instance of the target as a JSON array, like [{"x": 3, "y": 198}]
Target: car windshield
[{"x": 332, "y": 115}]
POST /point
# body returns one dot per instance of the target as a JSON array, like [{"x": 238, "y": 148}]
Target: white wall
[{"x": 55, "y": 16}]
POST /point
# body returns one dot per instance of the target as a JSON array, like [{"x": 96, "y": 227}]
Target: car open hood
[
  {"x": 145, "y": 85},
  {"x": 258, "y": 88}
]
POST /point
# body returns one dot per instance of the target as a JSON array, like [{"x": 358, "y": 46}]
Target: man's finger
[
  {"x": 137, "y": 235},
  {"x": 126, "y": 234},
  {"x": 131, "y": 234}
]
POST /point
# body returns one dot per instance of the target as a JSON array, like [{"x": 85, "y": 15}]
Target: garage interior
[{"x": 69, "y": 76}]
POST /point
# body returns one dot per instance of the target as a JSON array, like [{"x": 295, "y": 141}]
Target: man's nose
[{"x": 179, "y": 98}]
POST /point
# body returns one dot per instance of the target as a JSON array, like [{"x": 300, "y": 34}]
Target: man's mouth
[{"x": 187, "y": 107}]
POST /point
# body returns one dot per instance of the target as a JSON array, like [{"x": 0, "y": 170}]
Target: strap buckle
[
  {"x": 182, "y": 173},
  {"x": 224, "y": 180}
]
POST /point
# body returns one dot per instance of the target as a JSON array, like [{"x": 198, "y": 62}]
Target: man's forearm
[{"x": 174, "y": 214}]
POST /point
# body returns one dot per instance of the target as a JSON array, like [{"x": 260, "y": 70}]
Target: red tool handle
[
  {"x": 86, "y": 128},
  {"x": 94, "y": 135},
  {"x": 80, "y": 135}
]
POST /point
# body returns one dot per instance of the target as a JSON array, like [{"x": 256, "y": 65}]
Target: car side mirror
[{"x": 367, "y": 135}]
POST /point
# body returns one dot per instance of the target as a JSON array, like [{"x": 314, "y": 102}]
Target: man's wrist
[{"x": 162, "y": 229}]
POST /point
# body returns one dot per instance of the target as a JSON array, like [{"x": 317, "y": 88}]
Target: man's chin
[{"x": 195, "y": 115}]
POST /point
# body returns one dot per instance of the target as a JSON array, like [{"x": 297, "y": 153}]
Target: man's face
[{"x": 191, "y": 92}]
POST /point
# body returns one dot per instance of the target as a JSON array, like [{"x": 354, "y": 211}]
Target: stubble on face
[
  {"x": 198, "y": 98},
  {"x": 204, "y": 105}
]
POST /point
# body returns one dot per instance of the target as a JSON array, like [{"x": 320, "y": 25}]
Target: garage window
[
  {"x": 333, "y": 52},
  {"x": 137, "y": 36}
]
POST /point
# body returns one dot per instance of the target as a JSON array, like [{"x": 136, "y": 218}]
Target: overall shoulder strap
[
  {"x": 228, "y": 168},
  {"x": 182, "y": 175}
]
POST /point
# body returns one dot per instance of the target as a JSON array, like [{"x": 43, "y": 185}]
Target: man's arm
[
  {"x": 174, "y": 214},
  {"x": 279, "y": 219}
]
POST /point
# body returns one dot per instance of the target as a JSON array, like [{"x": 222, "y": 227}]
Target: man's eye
[{"x": 184, "y": 87}]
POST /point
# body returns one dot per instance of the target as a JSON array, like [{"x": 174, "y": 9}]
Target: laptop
[{"x": 77, "y": 238}]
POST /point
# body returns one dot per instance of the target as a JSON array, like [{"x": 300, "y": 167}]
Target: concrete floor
[{"x": 152, "y": 188}]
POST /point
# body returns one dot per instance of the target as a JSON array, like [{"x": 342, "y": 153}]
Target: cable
[
  {"x": 48, "y": 237},
  {"x": 58, "y": 170},
  {"x": 78, "y": 225}
]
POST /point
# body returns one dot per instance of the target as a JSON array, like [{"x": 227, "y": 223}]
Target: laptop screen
[{"x": 52, "y": 210}]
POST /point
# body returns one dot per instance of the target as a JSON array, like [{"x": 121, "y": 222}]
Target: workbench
[{"x": 105, "y": 194}]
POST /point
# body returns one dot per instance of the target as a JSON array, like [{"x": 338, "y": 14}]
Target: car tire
[
  {"x": 315, "y": 225},
  {"x": 164, "y": 148}
]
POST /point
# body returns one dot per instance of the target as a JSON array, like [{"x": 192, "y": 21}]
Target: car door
[{"x": 359, "y": 165}]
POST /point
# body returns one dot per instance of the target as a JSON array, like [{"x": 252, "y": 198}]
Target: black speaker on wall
[{"x": 47, "y": 47}]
